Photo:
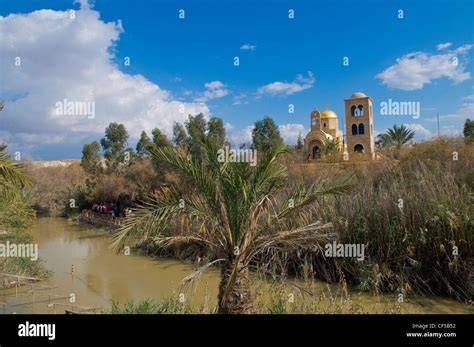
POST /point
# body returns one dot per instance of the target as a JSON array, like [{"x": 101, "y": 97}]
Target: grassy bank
[
  {"x": 275, "y": 297},
  {"x": 16, "y": 216}
]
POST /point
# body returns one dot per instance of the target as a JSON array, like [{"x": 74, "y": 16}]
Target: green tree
[
  {"x": 179, "y": 135},
  {"x": 234, "y": 210},
  {"x": 468, "y": 130},
  {"x": 398, "y": 136},
  {"x": 216, "y": 131},
  {"x": 159, "y": 139},
  {"x": 114, "y": 144},
  {"x": 143, "y": 144},
  {"x": 196, "y": 129},
  {"x": 91, "y": 161},
  {"x": 266, "y": 135},
  {"x": 299, "y": 141}
]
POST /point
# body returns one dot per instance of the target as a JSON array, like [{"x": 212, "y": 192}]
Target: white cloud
[
  {"x": 73, "y": 59},
  {"x": 248, "y": 47},
  {"x": 443, "y": 46},
  {"x": 451, "y": 130},
  {"x": 301, "y": 83},
  {"x": 414, "y": 70},
  {"x": 420, "y": 130},
  {"x": 214, "y": 85},
  {"x": 289, "y": 132},
  {"x": 239, "y": 99},
  {"x": 469, "y": 97},
  {"x": 214, "y": 90},
  {"x": 239, "y": 136},
  {"x": 465, "y": 111}
]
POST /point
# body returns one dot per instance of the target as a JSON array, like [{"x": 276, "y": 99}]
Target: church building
[{"x": 359, "y": 132}]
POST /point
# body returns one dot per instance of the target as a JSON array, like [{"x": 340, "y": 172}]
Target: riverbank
[
  {"x": 18, "y": 263},
  {"x": 102, "y": 276}
]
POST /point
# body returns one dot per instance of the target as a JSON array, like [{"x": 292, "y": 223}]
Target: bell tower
[
  {"x": 360, "y": 125},
  {"x": 315, "y": 120}
]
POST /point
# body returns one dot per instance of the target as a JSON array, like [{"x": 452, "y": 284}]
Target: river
[{"x": 100, "y": 275}]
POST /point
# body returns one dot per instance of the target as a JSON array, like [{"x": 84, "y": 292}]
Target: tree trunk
[{"x": 239, "y": 298}]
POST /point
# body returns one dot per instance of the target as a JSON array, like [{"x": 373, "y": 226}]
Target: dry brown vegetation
[{"x": 52, "y": 185}]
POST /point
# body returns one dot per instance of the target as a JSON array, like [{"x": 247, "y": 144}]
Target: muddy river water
[{"x": 100, "y": 275}]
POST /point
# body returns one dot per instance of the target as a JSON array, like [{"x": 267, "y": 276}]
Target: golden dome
[{"x": 327, "y": 114}]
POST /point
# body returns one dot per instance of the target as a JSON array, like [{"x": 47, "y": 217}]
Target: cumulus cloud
[
  {"x": 301, "y": 83},
  {"x": 73, "y": 58},
  {"x": 414, "y": 70},
  {"x": 289, "y": 132},
  {"x": 248, "y": 47},
  {"x": 214, "y": 90}
]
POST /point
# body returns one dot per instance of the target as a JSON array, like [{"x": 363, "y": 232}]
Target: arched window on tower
[
  {"x": 353, "y": 108},
  {"x": 359, "y": 111},
  {"x": 313, "y": 121},
  {"x": 359, "y": 148},
  {"x": 324, "y": 124},
  {"x": 354, "y": 129},
  {"x": 361, "y": 129}
]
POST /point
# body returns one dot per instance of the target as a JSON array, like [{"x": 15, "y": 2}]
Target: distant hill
[{"x": 53, "y": 163}]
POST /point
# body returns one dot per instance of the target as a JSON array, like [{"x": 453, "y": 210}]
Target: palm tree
[
  {"x": 383, "y": 140},
  {"x": 11, "y": 174},
  {"x": 12, "y": 177},
  {"x": 330, "y": 147},
  {"x": 234, "y": 210},
  {"x": 397, "y": 136}
]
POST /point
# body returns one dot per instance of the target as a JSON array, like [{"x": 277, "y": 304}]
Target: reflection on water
[{"x": 101, "y": 275}]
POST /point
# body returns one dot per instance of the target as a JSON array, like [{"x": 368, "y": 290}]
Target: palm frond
[
  {"x": 11, "y": 172},
  {"x": 311, "y": 236},
  {"x": 152, "y": 216},
  {"x": 198, "y": 272}
]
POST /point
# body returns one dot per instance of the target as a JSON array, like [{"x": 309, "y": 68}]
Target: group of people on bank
[{"x": 111, "y": 209}]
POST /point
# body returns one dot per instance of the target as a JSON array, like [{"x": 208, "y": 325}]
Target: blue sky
[{"x": 190, "y": 61}]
